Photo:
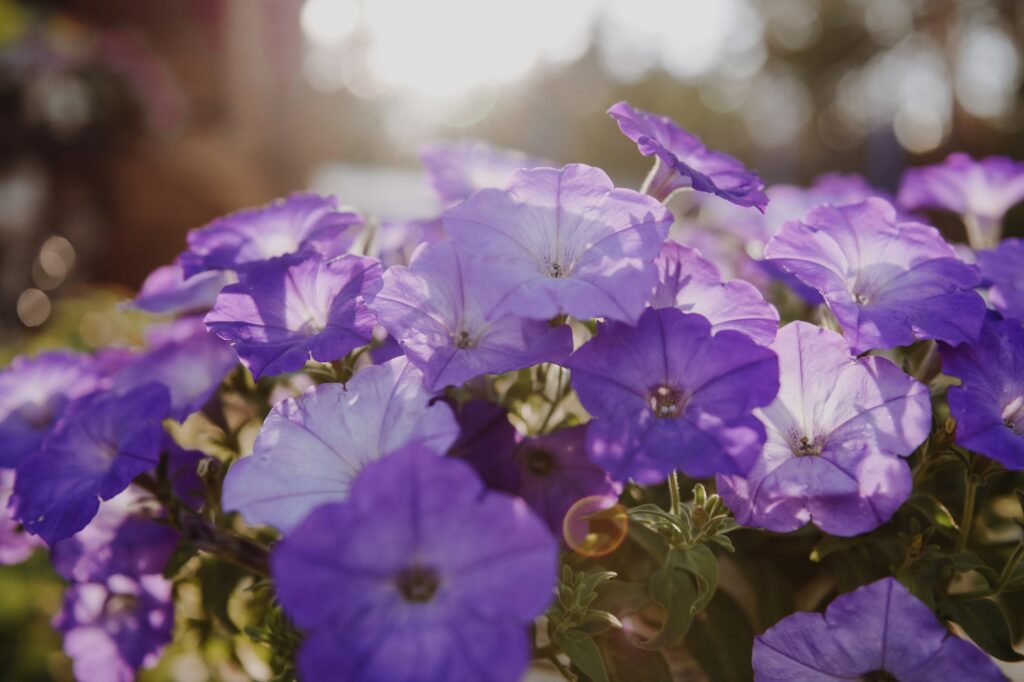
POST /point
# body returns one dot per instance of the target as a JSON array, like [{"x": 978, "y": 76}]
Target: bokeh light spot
[{"x": 595, "y": 525}]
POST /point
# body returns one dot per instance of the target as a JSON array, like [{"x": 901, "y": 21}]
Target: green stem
[
  {"x": 967, "y": 520},
  {"x": 560, "y": 667},
  {"x": 673, "y": 491},
  {"x": 560, "y": 395}
]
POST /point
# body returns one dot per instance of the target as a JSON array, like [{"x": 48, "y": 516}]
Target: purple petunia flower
[
  {"x": 186, "y": 358},
  {"x": 456, "y": 170},
  {"x": 167, "y": 292},
  {"x": 15, "y": 544},
  {"x": 888, "y": 283},
  {"x": 311, "y": 447},
  {"x": 34, "y": 392},
  {"x": 980, "y": 191},
  {"x": 94, "y": 453},
  {"x": 989, "y": 404},
  {"x": 877, "y": 632},
  {"x": 668, "y": 394},
  {"x": 282, "y": 314},
  {"x": 691, "y": 283},
  {"x": 561, "y": 241},
  {"x": 434, "y": 309},
  {"x": 420, "y": 575},
  {"x": 1003, "y": 269},
  {"x": 837, "y": 433},
  {"x": 114, "y": 627},
  {"x": 397, "y": 240},
  {"x": 300, "y": 224},
  {"x": 683, "y": 161}
]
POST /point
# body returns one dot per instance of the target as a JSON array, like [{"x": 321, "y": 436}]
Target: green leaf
[
  {"x": 721, "y": 640},
  {"x": 985, "y": 623},
  {"x": 584, "y": 654},
  {"x": 968, "y": 561},
  {"x": 682, "y": 587},
  {"x": 933, "y": 510}
]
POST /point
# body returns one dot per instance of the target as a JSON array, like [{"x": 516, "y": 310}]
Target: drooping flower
[
  {"x": 282, "y": 314},
  {"x": 183, "y": 356},
  {"x": 456, "y": 170},
  {"x": 434, "y": 309},
  {"x": 668, "y": 394},
  {"x": 561, "y": 241},
  {"x": 33, "y": 394},
  {"x": 877, "y": 632},
  {"x": 691, "y": 283},
  {"x": 888, "y": 283},
  {"x": 837, "y": 433},
  {"x": 683, "y": 160},
  {"x": 300, "y": 224},
  {"x": 105, "y": 441},
  {"x": 167, "y": 292},
  {"x": 15, "y": 544},
  {"x": 115, "y": 627},
  {"x": 311, "y": 447},
  {"x": 421, "y": 574},
  {"x": 989, "y": 404},
  {"x": 981, "y": 192},
  {"x": 1003, "y": 269}
]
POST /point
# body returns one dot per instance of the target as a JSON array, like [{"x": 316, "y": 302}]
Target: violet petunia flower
[
  {"x": 283, "y": 313},
  {"x": 1003, "y": 270},
  {"x": 981, "y": 192},
  {"x": 167, "y": 292},
  {"x": 456, "y": 170},
  {"x": 396, "y": 240},
  {"x": 15, "y": 544},
  {"x": 683, "y": 161},
  {"x": 433, "y": 308},
  {"x": 115, "y": 627},
  {"x": 301, "y": 224},
  {"x": 691, "y": 283},
  {"x": 561, "y": 241},
  {"x": 420, "y": 575},
  {"x": 186, "y": 358},
  {"x": 34, "y": 392},
  {"x": 669, "y": 394},
  {"x": 837, "y": 433},
  {"x": 888, "y": 283},
  {"x": 105, "y": 441},
  {"x": 311, "y": 447},
  {"x": 989, "y": 404},
  {"x": 877, "y": 632}
]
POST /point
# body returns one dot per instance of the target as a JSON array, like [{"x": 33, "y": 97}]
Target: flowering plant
[{"x": 544, "y": 429}]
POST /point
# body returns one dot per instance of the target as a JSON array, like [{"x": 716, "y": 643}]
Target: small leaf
[
  {"x": 985, "y": 623},
  {"x": 598, "y": 622},
  {"x": 967, "y": 561},
  {"x": 934, "y": 510},
  {"x": 584, "y": 654},
  {"x": 682, "y": 587}
]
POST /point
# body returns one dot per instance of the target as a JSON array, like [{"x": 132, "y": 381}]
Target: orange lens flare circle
[{"x": 595, "y": 525}]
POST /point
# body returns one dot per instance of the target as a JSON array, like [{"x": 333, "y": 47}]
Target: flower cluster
[{"x": 414, "y": 435}]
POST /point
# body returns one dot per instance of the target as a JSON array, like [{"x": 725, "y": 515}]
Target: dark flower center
[
  {"x": 539, "y": 461},
  {"x": 666, "y": 402},
  {"x": 807, "y": 447},
  {"x": 879, "y": 676},
  {"x": 557, "y": 271},
  {"x": 418, "y": 584},
  {"x": 462, "y": 340}
]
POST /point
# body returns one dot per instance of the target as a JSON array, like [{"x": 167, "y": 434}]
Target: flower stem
[
  {"x": 967, "y": 520},
  {"x": 673, "y": 491}
]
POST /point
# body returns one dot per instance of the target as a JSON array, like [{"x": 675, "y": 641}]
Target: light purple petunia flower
[
  {"x": 33, "y": 394},
  {"x": 300, "y": 224},
  {"x": 115, "y": 627},
  {"x": 888, "y": 283},
  {"x": 668, "y": 394},
  {"x": 397, "y": 239},
  {"x": 691, "y": 283},
  {"x": 15, "y": 544},
  {"x": 837, "y": 433},
  {"x": 167, "y": 292},
  {"x": 980, "y": 191},
  {"x": 105, "y": 441},
  {"x": 989, "y": 404},
  {"x": 420, "y": 575},
  {"x": 458, "y": 169},
  {"x": 561, "y": 241},
  {"x": 311, "y": 447},
  {"x": 1003, "y": 269},
  {"x": 186, "y": 358},
  {"x": 683, "y": 161},
  {"x": 877, "y": 632},
  {"x": 434, "y": 309},
  {"x": 283, "y": 313}
]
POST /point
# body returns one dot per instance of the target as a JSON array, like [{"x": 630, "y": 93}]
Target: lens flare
[{"x": 595, "y": 525}]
